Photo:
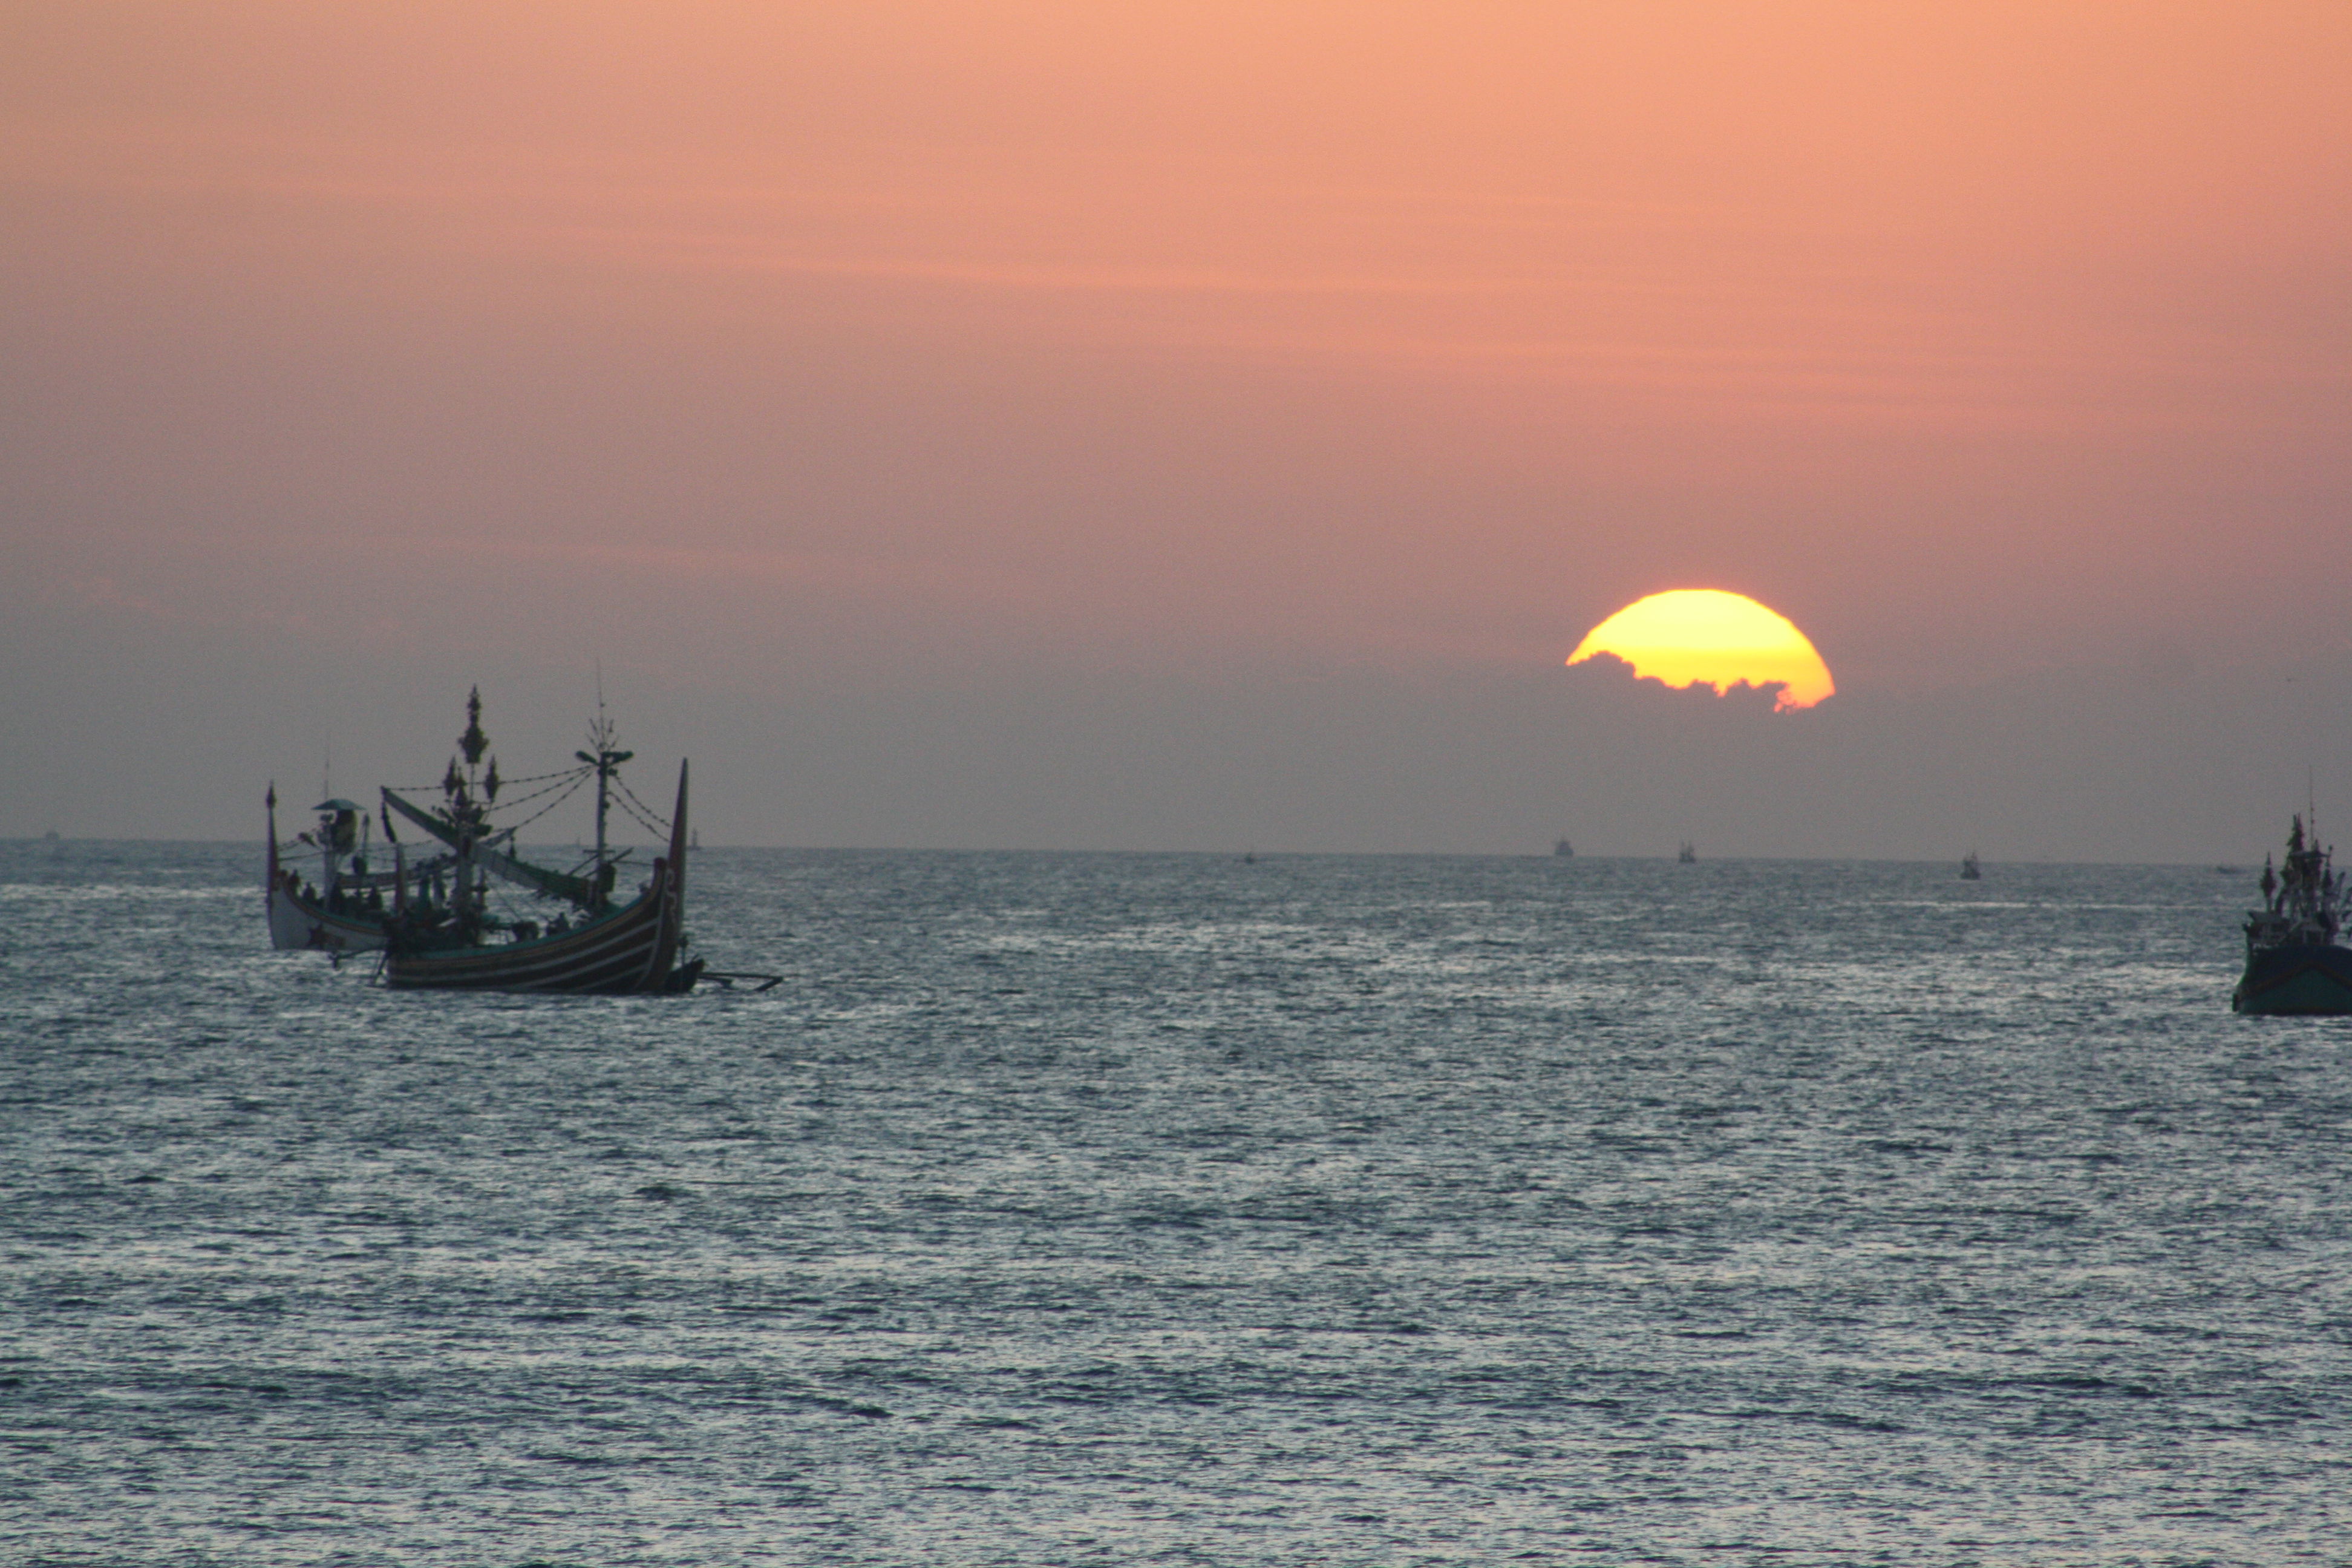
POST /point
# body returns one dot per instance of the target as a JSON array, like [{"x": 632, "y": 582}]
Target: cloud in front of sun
[{"x": 1704, "y": 637}]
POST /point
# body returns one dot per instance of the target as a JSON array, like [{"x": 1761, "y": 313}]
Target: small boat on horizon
[
  {"x": 1969, "y": 870},
  {"x": 1562, "y": 850},
  {"x": 2294, "y": 961},
  {"x": 1688, "y": 854}
]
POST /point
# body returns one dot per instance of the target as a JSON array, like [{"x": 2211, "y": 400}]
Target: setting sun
[{"x": 1703, "y": 636}]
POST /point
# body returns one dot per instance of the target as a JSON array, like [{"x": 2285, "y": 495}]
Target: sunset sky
[{"x": 1185, "y": 426}]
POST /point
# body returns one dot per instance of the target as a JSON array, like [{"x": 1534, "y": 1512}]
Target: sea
[{"x": 1107, "y": 1208}]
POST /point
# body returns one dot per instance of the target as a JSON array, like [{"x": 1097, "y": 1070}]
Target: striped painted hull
[
  {"x": 634, "y": 949},
  {"x": 298, "y": 922},
  {"x": 2303, "y": 978}
]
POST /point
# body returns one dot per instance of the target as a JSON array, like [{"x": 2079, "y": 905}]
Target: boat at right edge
[{"x": 2294, "y": 961}]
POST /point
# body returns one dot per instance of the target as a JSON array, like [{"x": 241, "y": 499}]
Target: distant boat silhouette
[
  {"x": 1564, "y": 849},
  {"x": 1969, "y": 870},
  {"x": 1687, "y": 854},
  {"x": 2295, "y": 961}
]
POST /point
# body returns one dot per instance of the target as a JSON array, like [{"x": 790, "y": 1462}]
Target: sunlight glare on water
[{"x": 1166, "y": 1208}]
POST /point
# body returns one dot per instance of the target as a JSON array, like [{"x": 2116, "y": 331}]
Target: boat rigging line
[{"x": 647, "y": 817}]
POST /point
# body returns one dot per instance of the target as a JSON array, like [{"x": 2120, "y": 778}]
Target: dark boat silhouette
[
  {"x": 438, "y": 929},
  {"x": 2294, "y": 961}
]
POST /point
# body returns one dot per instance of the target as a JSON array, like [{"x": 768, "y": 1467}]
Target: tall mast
[
  {"x": 607, "y": 761},
  {"x": 467, "y": 798}
]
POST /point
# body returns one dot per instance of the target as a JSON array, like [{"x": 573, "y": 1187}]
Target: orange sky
[{"x": 889, "y": 348}]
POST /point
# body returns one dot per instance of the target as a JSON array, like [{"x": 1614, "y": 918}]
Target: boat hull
[
  {"x": 298, "y": 923},
  {"x": 634, "y": 949},
  {"x": 2298, "y": 978}
]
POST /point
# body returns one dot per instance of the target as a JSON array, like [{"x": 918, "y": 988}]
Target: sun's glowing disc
[{"x": 1701, "y": 637}]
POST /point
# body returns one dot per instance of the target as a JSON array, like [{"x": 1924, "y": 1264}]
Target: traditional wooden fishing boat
[
  {"x": 437, "y": 920},
  {"x": 458, "y": 942},
  {"x": 343, "y": 911},
  {"x": 634, "y": 947},
  {"x": 2294, "y": 961}
]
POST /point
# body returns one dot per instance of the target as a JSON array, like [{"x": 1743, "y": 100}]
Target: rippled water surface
[{"x": 1170, "y": 1209}]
